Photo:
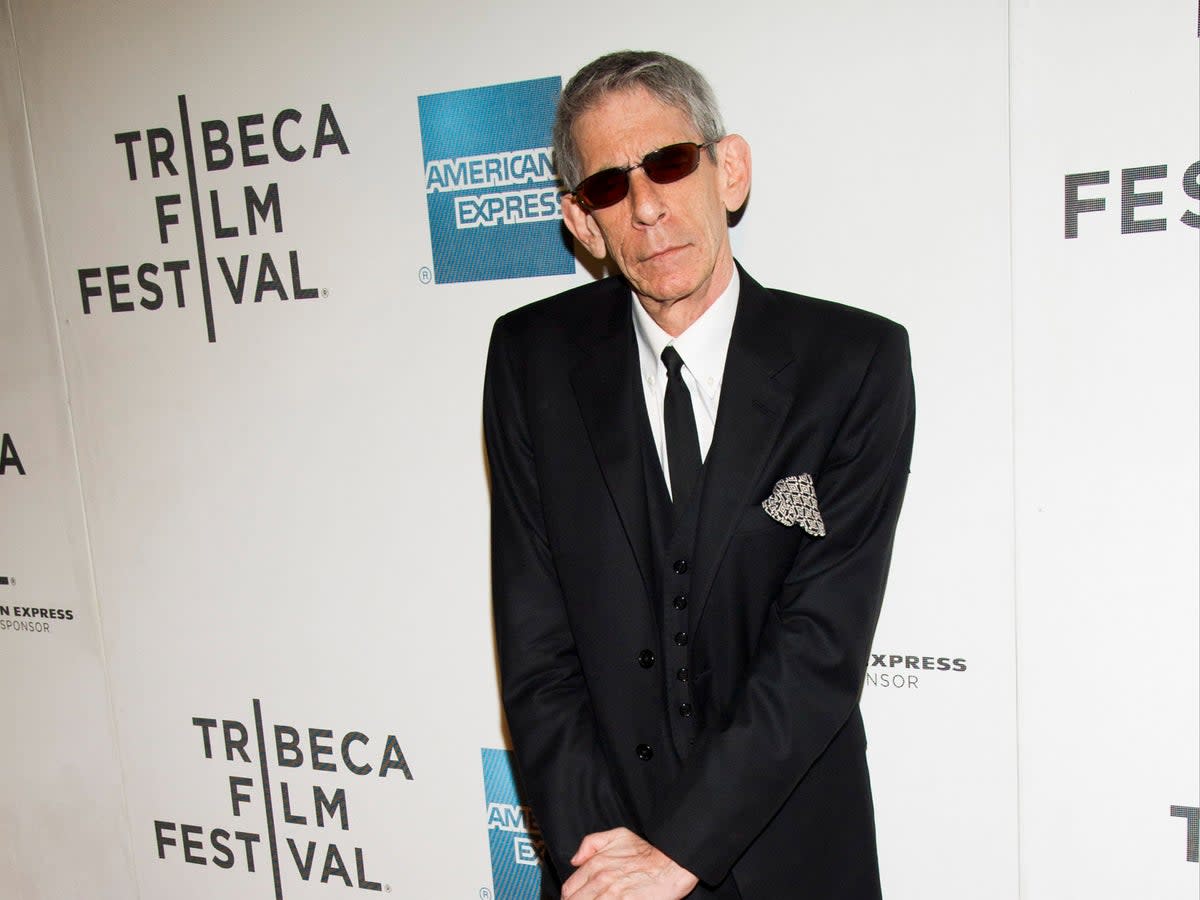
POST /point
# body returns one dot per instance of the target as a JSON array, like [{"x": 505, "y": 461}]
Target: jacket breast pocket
[
  {"x": 756, "y": 519},
  {"x": 762, "y": 544}
]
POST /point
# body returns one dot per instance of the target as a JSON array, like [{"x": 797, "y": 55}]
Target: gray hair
[{"x": 671, "y": 80}]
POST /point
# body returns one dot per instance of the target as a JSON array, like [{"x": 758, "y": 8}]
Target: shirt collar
[{"x": 703, "y": 346}]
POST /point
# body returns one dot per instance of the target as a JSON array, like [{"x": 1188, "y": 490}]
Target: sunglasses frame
[{"x": 578, "y": 191}]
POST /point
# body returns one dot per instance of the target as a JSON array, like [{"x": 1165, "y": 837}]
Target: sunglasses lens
[
  {"x": 662, "y": 167},
  {"x": 671, "y": 163},
  {"x": 604, "y": 188}
]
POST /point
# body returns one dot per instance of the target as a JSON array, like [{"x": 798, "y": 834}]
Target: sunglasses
[{"x": 662, "y": 166}]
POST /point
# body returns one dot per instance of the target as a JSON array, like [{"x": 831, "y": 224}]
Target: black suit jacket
[{"x": 775, "y": 787}]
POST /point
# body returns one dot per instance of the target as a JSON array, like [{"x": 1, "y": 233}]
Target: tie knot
[{"x": 673, "y": 361}]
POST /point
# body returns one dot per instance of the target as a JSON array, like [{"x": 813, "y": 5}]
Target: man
[{"x": 695, "y": 486}]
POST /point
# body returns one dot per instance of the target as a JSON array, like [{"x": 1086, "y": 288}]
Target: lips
[{"x": 659, "y": 255}]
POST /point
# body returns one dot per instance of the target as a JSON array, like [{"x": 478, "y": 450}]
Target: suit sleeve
[
  {"x": 805, "y": 678},
  {"x": 562, "y": 763}
]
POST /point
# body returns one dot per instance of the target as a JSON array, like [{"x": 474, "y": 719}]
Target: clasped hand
[{"x": 619, "y": 865}]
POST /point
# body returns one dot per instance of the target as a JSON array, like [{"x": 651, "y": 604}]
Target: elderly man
[{"x": 695, "y": 487}]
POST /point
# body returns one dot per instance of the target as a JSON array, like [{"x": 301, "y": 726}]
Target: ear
[
  {"x": 581, "y": 224},
  {"x": 733, "y": 158}
]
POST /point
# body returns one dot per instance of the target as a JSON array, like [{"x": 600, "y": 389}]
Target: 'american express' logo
[
  {"x": 491, "y": 190},
  {"x": 492, "y": 170}
]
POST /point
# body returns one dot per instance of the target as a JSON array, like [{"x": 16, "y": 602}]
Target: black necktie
[{"x": 683, "y": 445}]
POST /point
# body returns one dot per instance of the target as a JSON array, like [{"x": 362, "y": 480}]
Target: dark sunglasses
[{"x": 662, "y": 166}]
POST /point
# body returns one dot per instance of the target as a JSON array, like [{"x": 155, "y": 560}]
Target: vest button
[
  {"x": 682, "y": 674},
  {"x": 680, "y": 602},
  {"x": 646, "y": 659},
  {"x": 680, "y": 566},
  {"x": 680, "y": 638},
  {"x": 685, "y": 709},
  {"x": 644, "y": 752}
]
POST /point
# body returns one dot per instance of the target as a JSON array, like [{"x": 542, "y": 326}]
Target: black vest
[{"x": 672, "y": 539}]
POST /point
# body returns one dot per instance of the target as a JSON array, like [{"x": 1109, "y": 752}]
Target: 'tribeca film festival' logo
[
  {"x": 256, "y": 838},
  {"x": 199, "y": 225},
  {"x": 490, "y": 185}
]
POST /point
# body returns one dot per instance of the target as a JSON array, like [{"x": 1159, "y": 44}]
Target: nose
[{"x": 646, "y": 201}]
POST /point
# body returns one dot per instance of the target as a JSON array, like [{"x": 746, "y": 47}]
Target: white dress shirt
[{"x": 703, "y": 348}]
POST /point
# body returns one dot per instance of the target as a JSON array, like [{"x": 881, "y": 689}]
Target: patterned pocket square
[{"x": 794, "y": 502}]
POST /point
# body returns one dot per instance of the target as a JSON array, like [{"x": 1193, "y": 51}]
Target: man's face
[{"x": 670, "y": 240}]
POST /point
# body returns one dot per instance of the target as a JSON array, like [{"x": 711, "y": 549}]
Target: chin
[
  {"x": 664, "y": 293},
  {"x": 668, "y": 287}
]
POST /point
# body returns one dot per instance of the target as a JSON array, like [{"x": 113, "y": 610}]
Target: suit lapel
[
  {"x": 605, "y": 383},
  {"x": 757, "y": 391}
]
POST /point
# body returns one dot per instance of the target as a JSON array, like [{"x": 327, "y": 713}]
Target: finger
[
  {"x": 589, "y": 890},
  {"x": 585, "y": 852},
  {"x": 573, "y": 885},
  {"x": 592, "y": 844}
]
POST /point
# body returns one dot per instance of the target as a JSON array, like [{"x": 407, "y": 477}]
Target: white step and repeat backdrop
[{"x": 244, "y": 606}]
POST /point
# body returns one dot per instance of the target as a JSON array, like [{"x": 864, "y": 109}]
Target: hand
[{"x": 619, "y": 865}]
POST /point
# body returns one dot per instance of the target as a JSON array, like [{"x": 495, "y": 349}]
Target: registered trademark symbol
[
  {"x": 324, "y": 292},
  {"x": 387, "y": 888},
  {"x": 485, "y": 894},
  {"x": 426, "y": 276}
]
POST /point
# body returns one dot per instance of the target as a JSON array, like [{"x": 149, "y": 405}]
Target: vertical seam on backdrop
[
  {"x": 131, "y": 867},
  {"x": 268, "y": 806},
  {"x": 1012, "y": 363},
  {"x": 197, "y": 223}
]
